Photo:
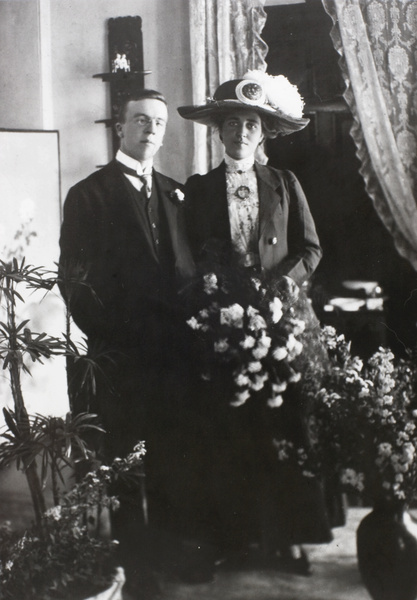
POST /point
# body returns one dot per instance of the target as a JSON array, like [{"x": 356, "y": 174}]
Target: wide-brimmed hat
[{"x": 274, "y": 98}]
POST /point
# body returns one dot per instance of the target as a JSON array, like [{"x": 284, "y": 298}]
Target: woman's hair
[{"x": 269, "y": 128}]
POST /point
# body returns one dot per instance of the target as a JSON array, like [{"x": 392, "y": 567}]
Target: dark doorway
[{"x": 356, "y": 245}]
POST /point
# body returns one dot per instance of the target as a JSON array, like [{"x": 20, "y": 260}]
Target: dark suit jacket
[
  {"x": 288, "y": 242},
  {"x": 114, "y": 284}
]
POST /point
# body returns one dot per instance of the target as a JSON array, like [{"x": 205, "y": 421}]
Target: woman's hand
[{"x": 285, "y": 289}]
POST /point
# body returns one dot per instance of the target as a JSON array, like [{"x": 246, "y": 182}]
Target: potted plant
[
  {"x": 364, "y": 424},
  {"x": 65, "y": 553}
]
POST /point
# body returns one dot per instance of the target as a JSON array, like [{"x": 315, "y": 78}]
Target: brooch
[
  {"x": 177, "y": 195},
  {"x": 242, "y": 192}
]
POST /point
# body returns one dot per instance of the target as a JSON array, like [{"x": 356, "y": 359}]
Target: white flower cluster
[
  {"x": 287, "y": 451},
  {"x": 210, "y": 283},
  {"x": 54, "y": 513},
  {"x": 251, "y": 376},
  {"x": 372, "y": 418},
  {"x": 252, "y": 334},
  {"x": 232, "y": 316},
  {"x": 330, "y": 337},
  {"x": 280, "y": 93}
]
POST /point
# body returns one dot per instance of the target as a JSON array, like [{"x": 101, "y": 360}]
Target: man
[{"x": 123, "y": 256}]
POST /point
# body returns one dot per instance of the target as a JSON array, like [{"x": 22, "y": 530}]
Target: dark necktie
[{"x": 146, "y": 178}]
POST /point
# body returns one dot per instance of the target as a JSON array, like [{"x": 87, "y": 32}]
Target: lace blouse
[{"x": 243, "y": 206}]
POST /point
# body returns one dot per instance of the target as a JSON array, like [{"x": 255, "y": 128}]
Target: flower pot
[
  {"x": 114, "y": 592},
  {"x": 387, "y": 552}
]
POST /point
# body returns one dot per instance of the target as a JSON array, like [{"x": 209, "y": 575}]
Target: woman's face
[{"x": 241, "y": 133}]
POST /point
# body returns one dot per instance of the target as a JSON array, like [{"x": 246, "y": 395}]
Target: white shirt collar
[
  {"x": 141, "y": 168},
  {"x": 244, "y": 164}
]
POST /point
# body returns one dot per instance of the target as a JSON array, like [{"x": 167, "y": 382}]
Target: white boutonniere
[{"x": 177, "y": 196}]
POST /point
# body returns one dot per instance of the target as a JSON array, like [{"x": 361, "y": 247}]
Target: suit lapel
[
  {"x": 121, "y": 192},
  {"x": 183, "y": 261},
  {"x": 270, "y": 195}
]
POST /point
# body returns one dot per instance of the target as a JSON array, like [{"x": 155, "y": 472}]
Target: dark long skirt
[{"x": 223, "y": 482}]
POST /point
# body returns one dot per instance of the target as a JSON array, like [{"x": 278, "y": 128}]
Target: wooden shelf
[{"x": 120, "y": 75}]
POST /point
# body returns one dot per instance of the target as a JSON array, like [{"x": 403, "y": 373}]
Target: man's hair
[{"x": 134, "y": 96}]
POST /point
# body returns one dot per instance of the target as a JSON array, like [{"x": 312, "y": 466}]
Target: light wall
[
  {"x": 49, "y": 51},
  {"x": 20, "y": 92}
]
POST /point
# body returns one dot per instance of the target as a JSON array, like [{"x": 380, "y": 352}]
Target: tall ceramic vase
[{"x": 387, "y": 552}]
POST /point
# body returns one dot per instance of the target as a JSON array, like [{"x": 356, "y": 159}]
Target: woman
[{"x": 256, "y": 216}]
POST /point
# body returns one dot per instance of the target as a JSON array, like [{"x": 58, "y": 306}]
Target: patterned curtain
[
  {"x": 225, "y": 43},
  {"x": 376, "y": 40}
]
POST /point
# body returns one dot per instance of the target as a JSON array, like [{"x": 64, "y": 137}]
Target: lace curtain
[
  {"x": 376, "y": 40},
  {"x": 225, "y": 42}
]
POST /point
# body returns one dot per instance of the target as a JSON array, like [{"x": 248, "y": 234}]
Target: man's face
[
  {"x": 241, "y": 133},
  {"x": 143, "y": 130}
]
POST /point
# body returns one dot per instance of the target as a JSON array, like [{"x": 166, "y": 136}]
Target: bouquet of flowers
[
  {"x": 365, "y": 422},
  {"x": 238, "y": 324}
]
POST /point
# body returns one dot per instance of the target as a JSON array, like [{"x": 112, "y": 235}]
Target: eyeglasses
[{"x": 144, "y": 121}]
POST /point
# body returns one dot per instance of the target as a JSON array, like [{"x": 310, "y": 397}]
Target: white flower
[
  {"x": 387, "y": 400},
  {"x": 265, "y": 341},
  {"x": 193, "y": 323},
  {"x": 283, "y": 448},
  {"x": 408, "y": 452},
  {"x": 240, "y": 398},
  {"x": 210, "y": 283},
  {"x": 276, "y": 401},
  {"x": 409, "y": 428},
  {"x": 54, "y": 512},
  {"x": 140, "y": 448},
  {"x": 276, "y": 309},
  {"x": 280, "y": 387},
  {"x": 178, "y": 195},
  {"x": 232, "y": 316},
  {"x": 385, "y": 449},
  {"x": 248, "y": 342},
  {"x": 294, "y": 346},
  {"x": 254, "y": 367},
  {"x": 256, "y": 283},
  {"x": 364, "y": 392},
  {"x": 259, "y": 352},
  {"x": 298, "y": 326},
  {"x": 221, "y": 346},
  {"x": 279, "y": 353},
  {"x": 357, "y": 364},
  {"x": 291, "y": 342},
  {"x": 259, "y": 382},
  {"x": 294, "y": 377},
  {"x": 242, "y": 380},
  {"x": 256, "y": 321},
  {"x": 351, "y": 477}
]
